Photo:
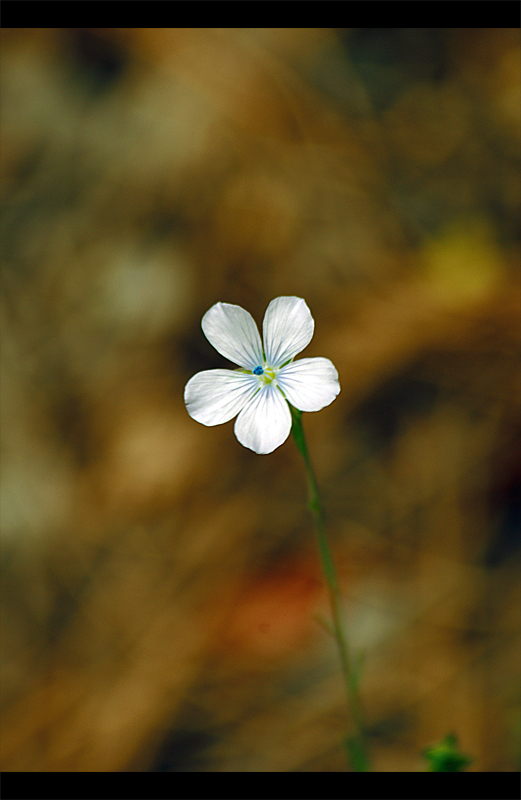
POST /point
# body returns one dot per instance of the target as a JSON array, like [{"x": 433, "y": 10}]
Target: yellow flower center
[{"x": 268, "y": 375}]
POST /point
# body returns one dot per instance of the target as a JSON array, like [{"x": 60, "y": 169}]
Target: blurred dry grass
[{"x": 159, "y": 581}]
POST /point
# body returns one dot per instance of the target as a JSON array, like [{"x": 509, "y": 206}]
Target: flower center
[{"x": 268, "y": 375}]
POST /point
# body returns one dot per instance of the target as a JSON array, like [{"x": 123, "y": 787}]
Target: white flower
[{"x": 267, "y": 377}]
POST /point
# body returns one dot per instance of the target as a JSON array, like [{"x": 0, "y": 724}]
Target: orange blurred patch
[{"x": 274, "y": 614}]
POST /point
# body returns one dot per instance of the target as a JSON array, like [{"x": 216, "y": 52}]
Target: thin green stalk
[{"x": 355, "y": 742}]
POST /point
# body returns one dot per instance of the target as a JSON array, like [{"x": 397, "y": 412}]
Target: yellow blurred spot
[{"x": 463, "y": 265}]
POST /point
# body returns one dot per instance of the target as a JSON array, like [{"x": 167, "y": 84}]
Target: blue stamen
[{"x": 258, "y": 371}]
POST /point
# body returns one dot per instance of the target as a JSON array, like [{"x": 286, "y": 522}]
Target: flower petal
[
  {"x": 233, "y": 333},
  {"x": 264, "y": 424},
  {"x": 309, "y": 383},
  {"x": 217, "y": 395},
  {"x": 287, "y": 329}
]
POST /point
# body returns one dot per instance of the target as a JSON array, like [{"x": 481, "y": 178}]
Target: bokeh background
[{"x": 160, "y": 583}]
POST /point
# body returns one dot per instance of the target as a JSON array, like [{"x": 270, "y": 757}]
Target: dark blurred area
[{"x": 160, "y": 582}]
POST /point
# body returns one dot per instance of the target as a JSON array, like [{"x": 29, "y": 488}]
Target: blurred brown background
[{"x": 159, "y": 581}]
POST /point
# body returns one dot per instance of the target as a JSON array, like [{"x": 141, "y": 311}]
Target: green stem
[{"x": 355, "y": 740}]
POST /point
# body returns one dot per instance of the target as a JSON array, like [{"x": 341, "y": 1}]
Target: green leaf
[{"x": 446, "y": 756}]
